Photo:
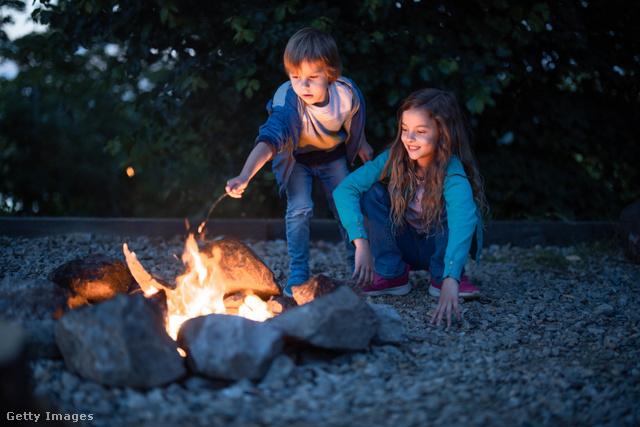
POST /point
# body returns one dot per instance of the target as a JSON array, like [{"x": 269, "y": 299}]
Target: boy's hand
[
  {"x": 448, "y": 301},
  {"x": 363, "y": 272},
  {"x": 260, "y": 154},
  {"x": 366, "y": 152},
  {"x": 236, "y": 186}
]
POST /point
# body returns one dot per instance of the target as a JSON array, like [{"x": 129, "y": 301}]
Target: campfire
[
  {"x": 224, "y": 314},
  {"x": 199, "y": 291}
]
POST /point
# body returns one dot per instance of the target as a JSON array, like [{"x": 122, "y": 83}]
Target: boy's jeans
[
  {"x": 300, "y": 211},
  {"x": 409, "y": 246}
]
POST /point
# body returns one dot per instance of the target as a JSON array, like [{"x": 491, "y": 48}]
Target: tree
[
  {"x": 537, "y": 78},
  {"x": 54, "y": 126}
]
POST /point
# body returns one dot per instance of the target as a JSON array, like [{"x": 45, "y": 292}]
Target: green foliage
[
  {"x": 551, "y": 91},
  {"x": 55, "y": 124}
]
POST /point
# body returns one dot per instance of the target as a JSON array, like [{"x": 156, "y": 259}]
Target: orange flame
[
  {"x": 254, "y": 309},
  {"x": 199, "y": 291}
]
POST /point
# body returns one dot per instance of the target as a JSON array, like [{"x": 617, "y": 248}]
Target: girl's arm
[
  {"x": 260, "y": 155},
  {"x": 462, "y": 222},
  {"x": 461, "y": 219},
  {"x": 348, "y": 194},
  {"x": 347, "y": 200}
]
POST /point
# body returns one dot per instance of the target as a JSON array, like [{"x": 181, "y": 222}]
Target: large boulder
[
  {"x": 242, "y": 269},
  {"x": 121, "y": 342},
  {"x": 228, "y": 347},
  {"x": 93, "y": 279},
  {"x": 339, "y": 320}
]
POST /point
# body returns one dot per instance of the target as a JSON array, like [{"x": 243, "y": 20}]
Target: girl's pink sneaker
[
  {"x": 466, "y": 290},
  {"x": 397, "y": 286}
]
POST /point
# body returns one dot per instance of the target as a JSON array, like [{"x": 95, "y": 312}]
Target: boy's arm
[
  {"x": 366, "y": 152},
  {"x": 261, "y": 154}
]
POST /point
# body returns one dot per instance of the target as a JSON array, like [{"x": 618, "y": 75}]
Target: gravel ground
[{"x": 553, "y": 341}]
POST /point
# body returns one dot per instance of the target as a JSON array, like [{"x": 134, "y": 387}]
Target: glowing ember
[{"x": 199, "y": 291}]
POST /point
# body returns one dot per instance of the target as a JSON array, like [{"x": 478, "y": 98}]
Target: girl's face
[
  {"x": 420, "y": 135},
  {"x": 311, "y": 83}
]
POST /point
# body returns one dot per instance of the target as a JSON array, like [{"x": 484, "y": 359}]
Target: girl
[{"x": 417, "y": 205}]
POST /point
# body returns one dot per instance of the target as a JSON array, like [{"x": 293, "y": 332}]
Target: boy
[{"x": 315, "y": 125}]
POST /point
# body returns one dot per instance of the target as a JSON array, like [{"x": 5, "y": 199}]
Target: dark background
[{"x": 176, "y": 90}]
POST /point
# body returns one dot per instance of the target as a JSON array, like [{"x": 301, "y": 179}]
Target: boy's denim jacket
[{"x": 282, "y": 129}]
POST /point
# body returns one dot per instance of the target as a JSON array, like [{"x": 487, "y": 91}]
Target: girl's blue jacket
[{"x": 464, "y": 219}]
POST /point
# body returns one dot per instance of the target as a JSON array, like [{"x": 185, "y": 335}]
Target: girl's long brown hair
[{"x": 442, "y": 107}]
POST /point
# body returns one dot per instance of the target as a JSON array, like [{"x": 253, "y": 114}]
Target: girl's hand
[
  {"x": 363, "y": 272},
  {"x": 448, "y": 301},
  {"x": 366, "y": 152},
  {"x": 236, "y": 186}
]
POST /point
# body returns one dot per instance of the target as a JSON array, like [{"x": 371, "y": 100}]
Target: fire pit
[{"x": 225, "y": 315}]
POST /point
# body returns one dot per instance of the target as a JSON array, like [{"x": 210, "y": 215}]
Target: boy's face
[{"x": 310, "y": 82}]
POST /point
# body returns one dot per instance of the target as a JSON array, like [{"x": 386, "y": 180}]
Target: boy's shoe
[
  {"x": 287, "y": 291},
  {"x": 293, "y": 281},
  {"x": 465, "y": 290},
  {"x": 396, "y": 286}
]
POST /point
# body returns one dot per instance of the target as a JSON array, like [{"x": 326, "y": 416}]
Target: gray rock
[
  {"x": 279, "y": 303},
  {"x": 391, "y": 330},
  {"x": 242, "y": 269},
  {"x": 629, "y": 225},
  {"x": 34, "y": 303},
  {"x": 339, "y": 320},
  {"x": 14, "y": 378},
  {"x": 120, "y": 343},
  {"x": 229, "y": 347},
  {"x": 93, "y": 278},
  {"x": 605, "y": 309},
  {"x": 318, "y": 286},
  {"x": 280, "y": 369}
]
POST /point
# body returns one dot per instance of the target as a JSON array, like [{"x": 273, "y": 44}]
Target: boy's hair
[
  {"x": 443, "y": 108},
  {"x": 314, "y": 46}
]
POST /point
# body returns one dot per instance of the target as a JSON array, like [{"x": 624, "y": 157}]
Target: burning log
[{"x": 145, "y": 280}]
